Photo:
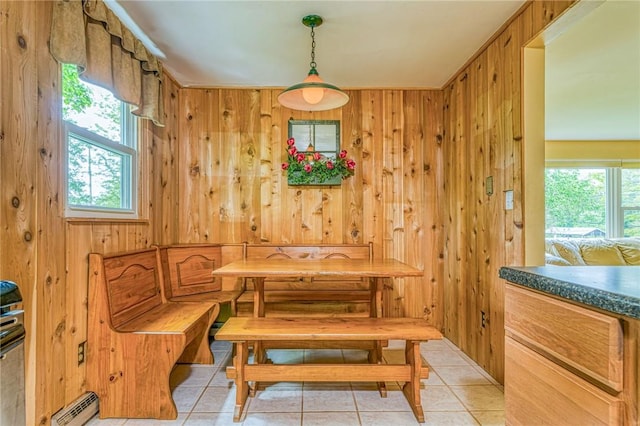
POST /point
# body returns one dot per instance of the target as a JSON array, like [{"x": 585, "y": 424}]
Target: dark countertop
[{"x": 612, "y": 288}]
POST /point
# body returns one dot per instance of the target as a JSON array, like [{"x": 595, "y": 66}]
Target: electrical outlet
[
  {"x": 81, "y": 348},
  {"x": 483, "y": 319}
]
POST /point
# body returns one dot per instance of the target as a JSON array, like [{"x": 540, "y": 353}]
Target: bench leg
[
  {"x": 411, "y": 389},
  {"x": 242, "y": 386},
  {"x": 375, "y": 357}
]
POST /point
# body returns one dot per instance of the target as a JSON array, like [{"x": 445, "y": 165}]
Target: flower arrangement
[{"x": 313, "y": 168}]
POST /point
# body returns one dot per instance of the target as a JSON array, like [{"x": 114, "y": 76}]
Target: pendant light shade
[{"x": 313, "y": 94}]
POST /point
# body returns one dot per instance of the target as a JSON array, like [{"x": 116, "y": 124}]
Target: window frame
[
  {"x": 614, "y": 211},
  {"x": 129, "y": 184}
]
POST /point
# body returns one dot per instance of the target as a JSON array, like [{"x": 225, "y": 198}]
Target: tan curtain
[{"x": 86, "y": 33}]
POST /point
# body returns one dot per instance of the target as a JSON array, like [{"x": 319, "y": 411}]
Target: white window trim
[{"x": 129, "y": 147}]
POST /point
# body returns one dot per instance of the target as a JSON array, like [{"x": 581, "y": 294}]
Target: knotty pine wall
[
  {"x": 213, "y": 174},
  {"x": 226, "y": 183},
  {"x": 484, "y": 137}
]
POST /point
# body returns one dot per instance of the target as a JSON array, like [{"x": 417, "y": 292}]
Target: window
[
  {"x": 592, "y": 202},
  {"x": 101, "y": 150}
]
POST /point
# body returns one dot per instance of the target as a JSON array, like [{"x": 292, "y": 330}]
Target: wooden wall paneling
[
  {"x": 496, "y": 79},
  {"x": 270, "y": 165},
  {"x": 165, "y": 167},
  {"x": 194, "y": 113},
  {"x": 17, "y": 247},
  {"x": 394, "y": 236},
  {"x": 250, "y": 132},
  {"x": 507, "y": 246},
  {"x": 234, "y": 110},
  {"x": 352, "y": 218},
  {"x": 411, "y": 299},
  {"x": 434, "y": 170},
  {"x": 372, "y": 154},
  {"x": 51, "y": 269}
]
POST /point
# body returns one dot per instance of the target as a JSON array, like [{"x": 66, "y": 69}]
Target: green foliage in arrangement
[{"x": 314, "y": 168}]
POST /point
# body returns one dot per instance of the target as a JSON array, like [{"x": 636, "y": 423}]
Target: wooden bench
[
  {"x": 135, "y": 337},
  {"x": 187, "y": 270},
  {"x": 242, "y": 331},
  {"x": 317, "y": 296}
]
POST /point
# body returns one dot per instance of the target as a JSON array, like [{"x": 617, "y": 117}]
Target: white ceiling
[
  {"x": 372, "y": 44},
  {"x": 592, "y": 75}
]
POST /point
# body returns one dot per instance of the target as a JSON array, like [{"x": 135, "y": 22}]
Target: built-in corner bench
[
  {"x": 136, "y": 336},
  {"x": 243, "y": 331}
]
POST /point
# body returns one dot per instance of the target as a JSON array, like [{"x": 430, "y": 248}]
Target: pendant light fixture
[{"x": 313, "y": 94}]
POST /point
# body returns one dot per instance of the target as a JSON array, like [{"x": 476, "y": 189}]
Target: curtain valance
[{"x": 88, "y": 34}]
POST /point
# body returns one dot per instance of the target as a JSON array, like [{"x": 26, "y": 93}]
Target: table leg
[
  {"x": 411, "y": 389},
  {"x": 376, "y": 285},
  {"x": 258, "y": 297},
  {"x": 242, "y": 386}
]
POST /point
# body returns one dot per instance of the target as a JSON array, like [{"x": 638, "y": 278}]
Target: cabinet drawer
[
  {"x": 539, "y": 392},
  {"x": 589, "y": 343}
]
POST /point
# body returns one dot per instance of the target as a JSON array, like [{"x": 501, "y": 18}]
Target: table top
[{"x": 318, "y": 267}]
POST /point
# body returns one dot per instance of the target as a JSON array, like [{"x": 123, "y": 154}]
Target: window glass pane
[
  {"x": 326, "y": 137},
  {"x": 95, "y": 175},
  {"x": 89, "y": 106},
  {"x": 575, "y": 201},
  {"x": 630, "y": 196},
  {"x": 631, "y": 223}
]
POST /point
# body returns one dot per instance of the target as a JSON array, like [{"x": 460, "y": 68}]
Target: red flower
[
  {"x": 285, "y": 166},
  {"x": 316, "y": 156},
  {"x": 300, "y": 157},
  {"x": 329, "y": 165},
  {"x": 291, "y": 141},
  {"x": 351, "y": 164},
  {"x": 307, "y": 168},
  {"x": 343, "y": 153},
  {"x": 292, "y": 150}
]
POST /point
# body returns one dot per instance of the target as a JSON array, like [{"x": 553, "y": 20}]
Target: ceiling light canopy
[{"x": 313, "y": 94}]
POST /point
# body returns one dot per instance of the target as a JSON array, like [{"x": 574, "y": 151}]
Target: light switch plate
[
  {"x": 488, "y": 186},
  {"x": 508, "y": 199}
]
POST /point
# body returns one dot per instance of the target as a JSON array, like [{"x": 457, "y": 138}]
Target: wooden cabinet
[{"x": 567, "y": 364}]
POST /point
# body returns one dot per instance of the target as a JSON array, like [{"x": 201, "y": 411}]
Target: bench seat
[
  {"x": 135, "y": 337},
  {"x": 242, "y": 331}
]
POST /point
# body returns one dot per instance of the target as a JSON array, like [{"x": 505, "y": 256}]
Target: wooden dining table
[{"x": 375, "y": 269}]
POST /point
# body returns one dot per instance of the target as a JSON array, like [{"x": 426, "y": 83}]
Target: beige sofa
[{"x": 592, "y": 251}]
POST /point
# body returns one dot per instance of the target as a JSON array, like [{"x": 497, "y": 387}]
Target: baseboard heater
[{"x": 77, "y": 413}]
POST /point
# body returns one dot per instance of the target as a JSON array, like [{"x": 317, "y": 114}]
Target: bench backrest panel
[
  {"x": 133, "y": 284},
  {"x": 188, "y": 269},
  {"x": 308, "y": 252}
]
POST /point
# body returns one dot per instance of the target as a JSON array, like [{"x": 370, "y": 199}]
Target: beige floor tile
[
  {"x": 216, "y": 399},
  {"x": 185, "y": 397},
  {"x": 444, "y": 358},
  {"x": 210, "y": 419},
  {"x": 461, "y": 375},
  {"x": 276, "y": 400},
  {"x": 330, "y": 419},
  {"x": 272, "y": 419},
  {"x": 370, "y": 400},
  {"x": 387, "y": 418},
  {"x": 154, "y": 422},
  {"x": 439, "y": 398},
  {"x": 96, "y": 421},
  {"x": 435, "y": 345},
  {"x": 220, "y": 379},
  {"x": 191, "y": 375},
  {"x": 487, "y": 375},
  {"x": 477, "y": 398},
  {"x": 433, "y": 380},
  {"x": 355, "y": 356},
  {"x": 328, "y": 399},
  {"x": 220, "y": 345},
  {"x": 489, "y": 418},
  {"x": 449, "y": 418}
]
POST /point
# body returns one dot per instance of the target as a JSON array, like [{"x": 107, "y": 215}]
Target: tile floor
[{"x": 458, "y": 392}]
